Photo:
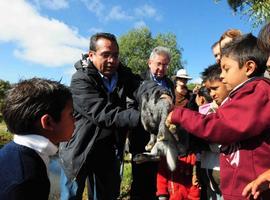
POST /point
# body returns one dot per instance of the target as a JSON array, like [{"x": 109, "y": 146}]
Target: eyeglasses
[
  {"x": 161, "y": 65},
  {"x": 107, "y": 55}
]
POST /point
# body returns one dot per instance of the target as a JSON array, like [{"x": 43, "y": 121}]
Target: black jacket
[{"x": 102, "y": 113}]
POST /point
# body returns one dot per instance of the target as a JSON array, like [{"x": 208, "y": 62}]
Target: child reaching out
[
  {"x": 240, "y": 124},
  {"x": 39, "y": 113},
  {"x": 210, "y": 167}
]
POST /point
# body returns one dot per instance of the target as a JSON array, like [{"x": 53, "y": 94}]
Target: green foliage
[
  {"x": 137, "y": 44},
  {"x": 258, "y": 11},
  {"x": 169, "y": 40},
  {"x": 191, "y": 86},
  {"x": 4, "y": 86},
  {"x": 5, "y": 136}
]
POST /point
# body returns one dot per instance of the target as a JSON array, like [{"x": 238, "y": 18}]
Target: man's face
[
  {"x": 218, "y": 90},
  {"x": 216, "y": 52},
  {"x": 105, "y": 58},
  {"x": 231, "y": 74},
  {"x": 159, "y": 65},
  {"x": 181, "y": 82}
]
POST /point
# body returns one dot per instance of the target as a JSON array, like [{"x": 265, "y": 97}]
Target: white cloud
[
  {"x": 95, "y": 30},
  {"x": 197, "y": 80},
  {"x": 147, "y": 11},
  {"x": 114, "y": 13},
  {"x": 95, "y": 6},
  {"x": 140, "y": 24},
  {"x": 117, "y": 13},
  {"x": 52, "y": 4},
  {"x": 38, "y": 39}
]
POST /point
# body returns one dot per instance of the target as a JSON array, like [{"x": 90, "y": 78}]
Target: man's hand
[{"x": 169, "y": 98}]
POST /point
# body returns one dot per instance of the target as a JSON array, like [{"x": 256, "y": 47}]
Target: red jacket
[
  {"x": 177, "y": 185},
  {"x": 242, "y": 126}
]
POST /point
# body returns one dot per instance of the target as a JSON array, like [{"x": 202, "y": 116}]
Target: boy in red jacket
[
  {"x": 242, "y": 123},
  {"x": 262, "y": 182}
]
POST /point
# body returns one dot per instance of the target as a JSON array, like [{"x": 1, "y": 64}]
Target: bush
[{"x": 5, "y": 136}]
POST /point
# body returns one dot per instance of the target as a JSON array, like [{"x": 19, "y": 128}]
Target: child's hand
[
  {"x": 168, "y": 121},
  {"x": 195, "y": 181},
  {"x": 257, "y": 186}
]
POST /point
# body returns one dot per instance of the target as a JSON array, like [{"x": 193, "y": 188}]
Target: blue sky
[{"x": 44, "y": 38}]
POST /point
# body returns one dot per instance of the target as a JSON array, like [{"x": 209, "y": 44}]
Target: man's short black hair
[{"x": 94, "y": 38}]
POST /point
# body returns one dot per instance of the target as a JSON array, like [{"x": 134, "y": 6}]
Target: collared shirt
[
  {"x": 43, "y": 146},
  {"x": 110, "y": 84},
  {"x": 160, "y": 82}
]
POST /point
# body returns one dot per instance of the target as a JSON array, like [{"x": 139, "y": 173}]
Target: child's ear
[
  {"x": 47, "y": 122},
  {"x": 203, "y": 100},
  {"x": 250, "y": 67}
]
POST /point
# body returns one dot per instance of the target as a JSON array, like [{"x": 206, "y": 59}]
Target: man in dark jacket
[
  {"x": 100, "y": 88},
  {"x": 144, "y": 174}
]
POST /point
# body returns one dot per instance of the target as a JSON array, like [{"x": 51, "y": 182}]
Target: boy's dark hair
[
  {"x": 245, "y": 48},
  {"x": 264, "y": 38},
  {"x": 27, "y": 101},
  {"x": 95, "y": 37},
  {"x": 211, "y": 73},
  {"x": 204, "y": 92}
]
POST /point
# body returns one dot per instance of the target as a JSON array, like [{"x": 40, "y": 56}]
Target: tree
[
  {"x": 137, "y": 44},
  {"x": 4, "y": 86},
  {"x": 258, "y": 11},
  {"x": 169, "y": 40}
]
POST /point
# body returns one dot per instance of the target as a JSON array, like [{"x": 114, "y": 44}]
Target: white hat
[{"x": 182, "y": 73}]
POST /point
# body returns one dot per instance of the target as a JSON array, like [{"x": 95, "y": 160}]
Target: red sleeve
[
  {"x": 243, "y": 116},
  {"x": 162, "y": 178}
]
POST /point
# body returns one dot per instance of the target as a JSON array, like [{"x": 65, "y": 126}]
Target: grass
[
  {"x": 5, "y": 137},
  {"x": 126, "y": 181}
]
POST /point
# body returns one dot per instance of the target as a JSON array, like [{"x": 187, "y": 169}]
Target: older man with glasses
[{"x": 144, "y": 175}]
